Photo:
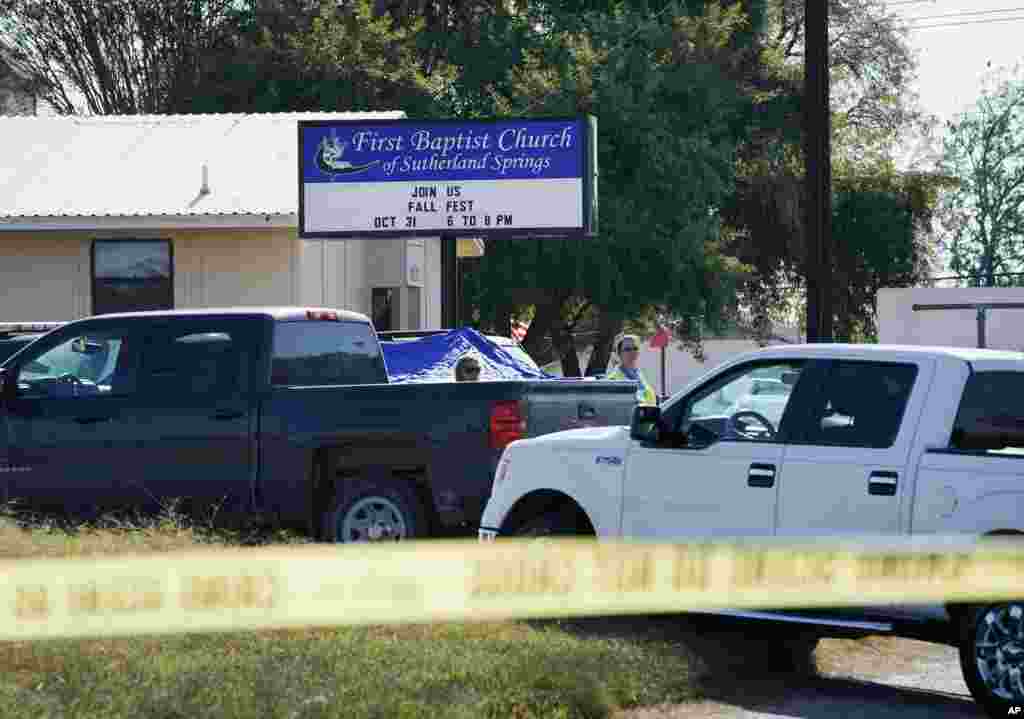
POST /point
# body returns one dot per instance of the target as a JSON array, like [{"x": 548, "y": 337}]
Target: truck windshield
[{"x": 309, "y": 353}]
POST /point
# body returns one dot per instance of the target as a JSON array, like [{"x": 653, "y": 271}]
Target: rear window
[
  {"x": 991, "y": 413},
  {"x": 308, "y": 353}
]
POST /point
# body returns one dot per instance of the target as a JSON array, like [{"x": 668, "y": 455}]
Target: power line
[
  {"x": 963, "y": 14},
  {"x": 911, "y": 2},
  {"x": 989, "y": 21}
]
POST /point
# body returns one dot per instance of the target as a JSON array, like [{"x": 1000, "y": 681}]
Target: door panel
[
  {"x": 726, "y": 489},
  {"x": 69, "y": 427},
  {"x": 846, "y": 470},
  {"x": 716, "y": 470},
  {"x": 195, "y": 417}
]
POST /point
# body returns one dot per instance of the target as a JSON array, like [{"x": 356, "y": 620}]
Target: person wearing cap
[
  {"x": 467, "y": 369},
  {"x": 628, "y": 350}
]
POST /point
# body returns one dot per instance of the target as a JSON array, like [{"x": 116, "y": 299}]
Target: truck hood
[{"x": 615, "y": 437}]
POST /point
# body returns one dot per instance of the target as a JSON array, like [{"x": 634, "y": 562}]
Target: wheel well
[
  {"x": 546, "y": 501},
  {"x": 328, "y": 473}
]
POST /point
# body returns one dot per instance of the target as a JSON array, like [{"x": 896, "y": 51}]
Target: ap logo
[{"x": 1014, "y": 711}]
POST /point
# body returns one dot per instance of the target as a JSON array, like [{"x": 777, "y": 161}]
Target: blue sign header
[{"x": 413, "y": 151}]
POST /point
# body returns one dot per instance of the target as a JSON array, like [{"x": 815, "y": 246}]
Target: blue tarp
[{"x": 433, "y": 358}]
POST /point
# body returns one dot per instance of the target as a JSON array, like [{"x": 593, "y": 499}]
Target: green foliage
[
  {"x": 668, "y": 114},
  {"x": 873, "y": 111},
  {"x": 880, "y": 233},
  {"x": 323, "y": 56},
  {"x": 983, "y": 216}
]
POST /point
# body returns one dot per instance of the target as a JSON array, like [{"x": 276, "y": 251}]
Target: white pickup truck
[{"x": 865, "y": 439}]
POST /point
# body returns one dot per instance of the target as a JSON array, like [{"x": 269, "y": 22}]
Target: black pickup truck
[{"x": 283, "y": 415}]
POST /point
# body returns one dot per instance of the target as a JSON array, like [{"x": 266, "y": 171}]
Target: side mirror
[
  {"x": 8, "y": 385},
  {"x": 646, "y": 424}
]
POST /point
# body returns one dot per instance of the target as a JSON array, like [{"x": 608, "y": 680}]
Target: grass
[{"x": 505, "y": 669}]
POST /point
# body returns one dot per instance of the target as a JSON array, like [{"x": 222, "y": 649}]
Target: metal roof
[{"x": 109, "y": 166}]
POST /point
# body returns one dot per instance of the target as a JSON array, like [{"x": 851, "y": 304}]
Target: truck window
[
  {"x": 196, "y": 358},
  {"x": 309, "y": 353},
  {"x": 990, "y": 417},
  {"x": 861, "y": 404},
  {"x": 739, "y": 407},
  {"x": 81, "y": 366}
]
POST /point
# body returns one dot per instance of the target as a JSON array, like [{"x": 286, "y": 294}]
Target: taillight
[
  {"x": 507, "y": 423},
  {"x": 321, "y": 315}
]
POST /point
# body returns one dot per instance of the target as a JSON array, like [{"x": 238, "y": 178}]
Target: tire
[
  {"x": 378, "y": 511},
  {"x": 991, "y": 646}
]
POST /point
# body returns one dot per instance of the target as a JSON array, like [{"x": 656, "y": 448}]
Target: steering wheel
[{"x": 732, "y": 428}]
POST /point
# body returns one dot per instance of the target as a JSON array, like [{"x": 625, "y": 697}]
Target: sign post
[
  {"x": 507, "y": 178},
  {"x": 660, "y": 341}
]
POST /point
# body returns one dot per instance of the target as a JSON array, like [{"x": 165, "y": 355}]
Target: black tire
[
  {"x": 376, "y": 511},
  {"x": 986, "y": 624}
]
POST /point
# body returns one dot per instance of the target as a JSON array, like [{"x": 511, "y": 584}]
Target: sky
[{"x": 955, "y": 40}]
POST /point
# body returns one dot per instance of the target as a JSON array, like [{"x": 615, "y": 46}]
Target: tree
[
  {"x": 316, "y": 55},
  {"x": 669, "y": 116},
  {"x": 871, "y": 63},
  {"x": 873, "y": 111},
  {"x": 881, "y": 225},
  {"x": 115, "y": 56},
  {"x": 983, "y": 217},
  {"x": 762, "y": 228}
]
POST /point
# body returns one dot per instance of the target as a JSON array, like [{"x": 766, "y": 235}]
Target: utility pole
[{"x": 818, "y": 177}]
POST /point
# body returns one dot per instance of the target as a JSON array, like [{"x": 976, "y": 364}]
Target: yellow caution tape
[{"x": 441, "y": 581}]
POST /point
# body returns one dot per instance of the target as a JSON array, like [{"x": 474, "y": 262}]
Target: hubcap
[
  {"x": 373, "y": 519},
  {"x": 999, "y": 651}
]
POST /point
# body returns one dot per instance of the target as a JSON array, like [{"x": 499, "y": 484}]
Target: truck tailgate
[{"x": 556, "y": 405}]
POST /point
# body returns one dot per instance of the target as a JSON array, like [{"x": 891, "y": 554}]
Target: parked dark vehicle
[{"x": 283, "y": 415}]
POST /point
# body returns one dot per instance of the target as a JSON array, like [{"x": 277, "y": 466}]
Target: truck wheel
[
  {"x": 992, "y": 656},
  {"x": 376, "y": 512}
]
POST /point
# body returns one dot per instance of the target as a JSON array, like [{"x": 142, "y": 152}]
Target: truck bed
[{"x": 443, "y": 430}]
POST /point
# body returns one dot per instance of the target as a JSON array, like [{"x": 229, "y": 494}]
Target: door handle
[
  {"x": 761, "y": 475},
  {"x": 882, "y": 483},
  {"x": 227, "y": 414},
  {"x": 92, "y": 420},
  {"x": 585, "y": 410}
]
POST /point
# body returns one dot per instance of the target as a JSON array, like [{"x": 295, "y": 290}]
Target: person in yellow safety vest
[{"x": 628, "y": 350}]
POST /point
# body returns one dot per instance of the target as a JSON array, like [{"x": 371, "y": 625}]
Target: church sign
[{"x": 484, "y": 178}]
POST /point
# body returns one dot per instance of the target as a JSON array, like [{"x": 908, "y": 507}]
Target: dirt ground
[
  {"x": 872, "y": 678},
  {"x": 740, "y": 673}
]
